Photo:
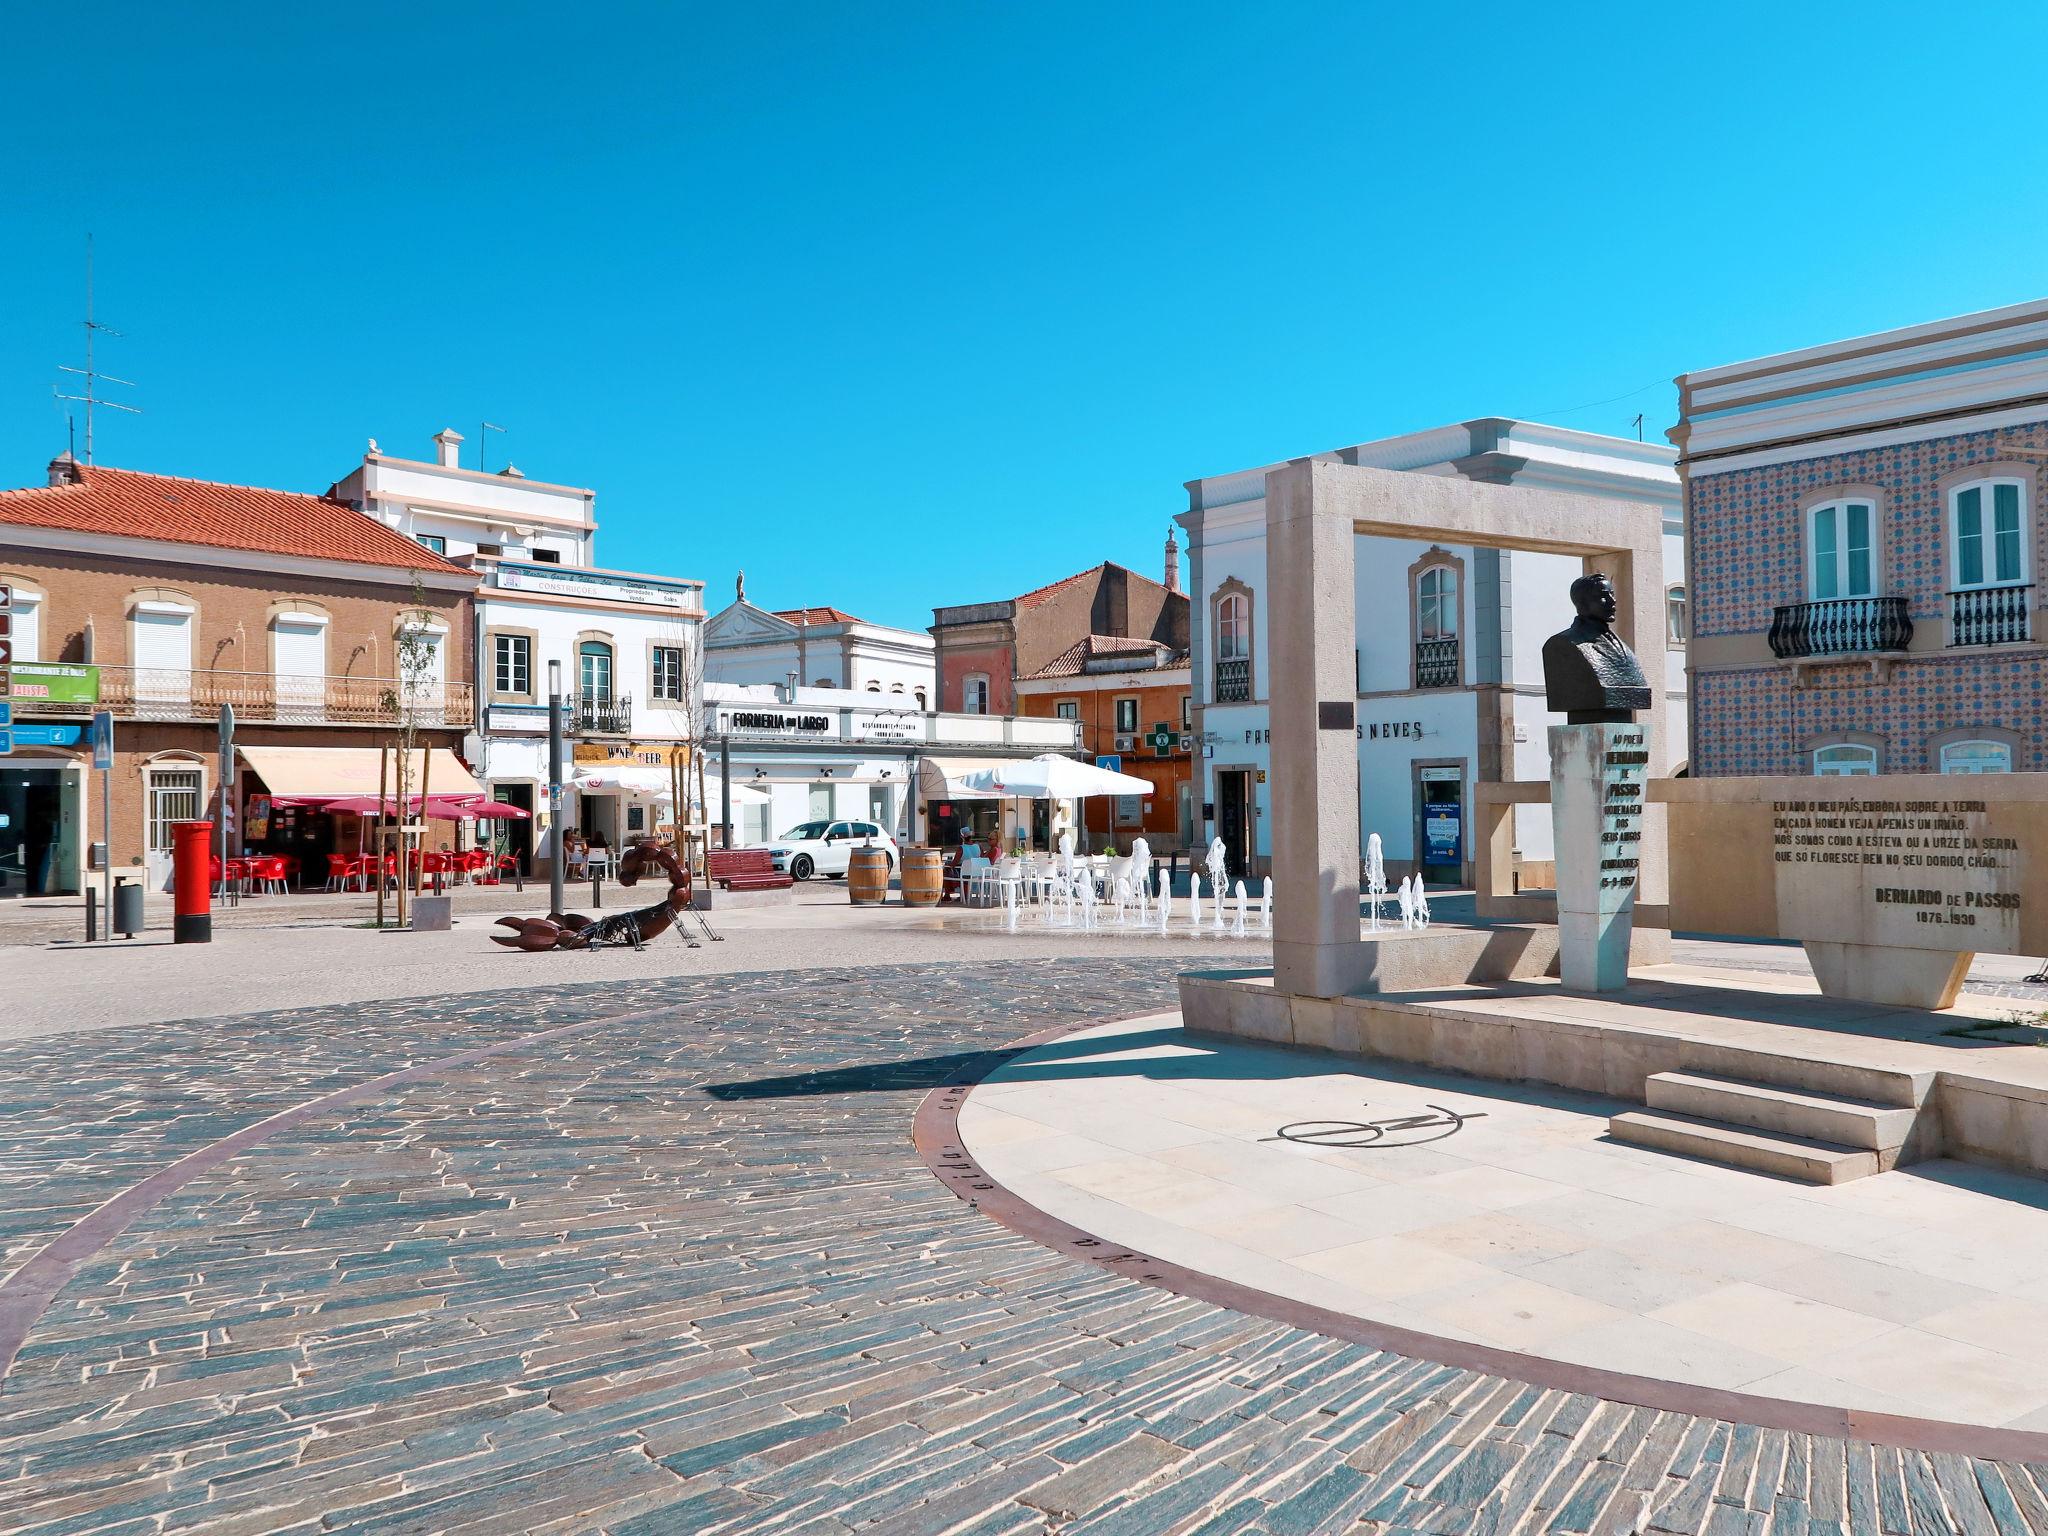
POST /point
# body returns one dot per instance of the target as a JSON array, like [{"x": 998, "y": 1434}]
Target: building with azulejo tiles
[{"x": 1864, "y": 526}]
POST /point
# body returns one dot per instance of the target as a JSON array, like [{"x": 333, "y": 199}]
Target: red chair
[
  {"x": 268, "y": 870},
  {"x": 343, "y": 871},
  {"x": 508, "y": 864}
]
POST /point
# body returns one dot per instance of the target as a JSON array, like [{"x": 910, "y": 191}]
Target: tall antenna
[
  {"x": 93, "y": 378},
  {"x": 1639, "y": 426},
  {"x": 483, "y": 447}
]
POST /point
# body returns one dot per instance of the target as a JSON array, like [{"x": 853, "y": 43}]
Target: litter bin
[{"x": 127, "y": 908}]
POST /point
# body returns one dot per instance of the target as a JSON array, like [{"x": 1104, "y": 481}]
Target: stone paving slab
[{"x": 689, "y": 1274}]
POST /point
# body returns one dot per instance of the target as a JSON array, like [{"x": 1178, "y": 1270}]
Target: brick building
[
  {"x": 983, "y": 648},
  {"x": 1131, "y": 700},
  {"x": 161, "y": 599},
  {"x": 1866, "y": 521}
]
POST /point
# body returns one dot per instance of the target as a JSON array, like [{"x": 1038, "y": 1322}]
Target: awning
[
  {"x": 301, "y": 775},
  {"x": 939, "y": 778}
]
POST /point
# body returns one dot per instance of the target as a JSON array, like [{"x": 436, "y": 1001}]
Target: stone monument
[{"x": 1599, "y": 764}]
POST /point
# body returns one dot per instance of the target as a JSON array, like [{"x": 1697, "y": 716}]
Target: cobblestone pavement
[{"x": 682, "y": 1271}]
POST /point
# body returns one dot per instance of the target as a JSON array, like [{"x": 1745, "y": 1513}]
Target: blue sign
[
  {"x": 1114, "y": 762},
  {"x": 6, "y": 714},
  {"x": 6, "y": 742},
  {"x": 103, "y": 739},
  {"x": 47, "y": 735},
  {"x": 1442, "y": 832}
]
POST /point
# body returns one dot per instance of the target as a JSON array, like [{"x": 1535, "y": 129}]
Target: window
[
  {"x": 1844, "y": 760},
  {"x": 1840, "y": 550},
  {"x": 1234, "y": 628},
  {"x": 432, "y": 541},
  {"x": 594, "y": 674},
  {"x": 1436, "y": 604},
  {"x": 1126, "y": 716},
  {"x": 490, "y": 549},
  {"x": 298, "y": 650},
  {"x": 918, "y": 694},
  {"x": 1067, "y": 709},
  {"x": 548, "y": 556},
  {"x": 1674, "y": 615},
  {"x": 173, "y": 796},
  {"x": 974, "y": 693},
  {"x": 668, "y": 672},
  {"x": 512, "y": 665},
  {"x": 1187, "y": 711},
  {"x": 1987, "y": 534},
  {"x": 1976, "y": 757},
  {"x": 28, "y": 608}
]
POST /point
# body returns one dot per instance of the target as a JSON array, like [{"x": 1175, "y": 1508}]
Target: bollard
[
  {"x": 596, "y": 891},
  {"x": 92, "y": 909}
]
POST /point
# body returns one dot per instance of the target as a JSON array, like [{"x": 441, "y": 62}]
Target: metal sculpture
[
  {"x": 573, "y": 930},
  {"x": 1590, "y": 676}
]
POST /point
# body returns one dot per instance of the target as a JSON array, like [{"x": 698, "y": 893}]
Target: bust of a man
[{"x": 1589, "y": 674}]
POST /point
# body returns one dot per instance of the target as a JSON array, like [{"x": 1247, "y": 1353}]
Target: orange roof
[
  {"x": 1072, "y": 662},
  {"x": 130, "y": 504},
  {"x": 816, "y": 616}
]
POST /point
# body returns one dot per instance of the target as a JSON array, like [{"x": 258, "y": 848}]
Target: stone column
[
  {"x": 1311, "y": 685},
  {"x": 1597, "y": 784}
]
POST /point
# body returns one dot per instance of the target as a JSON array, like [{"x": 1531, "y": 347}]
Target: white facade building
[
  {"x": 1449, "y": 647},
  {"x": 821, "y": 647},
  {"x": 820, "y": 753},
  {"x": 626, "y": 643}
]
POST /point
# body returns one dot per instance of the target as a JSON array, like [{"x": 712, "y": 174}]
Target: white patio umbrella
[{"x": 1052, "y": 777}]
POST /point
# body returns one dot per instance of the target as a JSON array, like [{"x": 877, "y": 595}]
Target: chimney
[
  {"x": 448, "y": 448},
  {"x": 63, "y": 470},
  {"x": 1172, "y": 561}
]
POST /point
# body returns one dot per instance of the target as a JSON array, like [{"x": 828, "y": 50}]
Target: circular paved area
[{"x": 682, "y": 1270}]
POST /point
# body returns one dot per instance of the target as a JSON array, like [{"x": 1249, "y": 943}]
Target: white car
[{"x": 826, "y": 847}]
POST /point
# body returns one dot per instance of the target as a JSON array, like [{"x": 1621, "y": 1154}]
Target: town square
[{"x": 827, "y": 772}]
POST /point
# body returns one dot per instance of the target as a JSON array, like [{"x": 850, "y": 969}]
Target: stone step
[
  {"x": 1792, "y": 1111},
  {"x": 1716, "y": 1141}
]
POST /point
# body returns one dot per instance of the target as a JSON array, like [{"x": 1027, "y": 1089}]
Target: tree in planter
[{"x": 418, "y": 651}]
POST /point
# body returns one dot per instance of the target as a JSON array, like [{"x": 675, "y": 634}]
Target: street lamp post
[{"x": 554, "y": 786}]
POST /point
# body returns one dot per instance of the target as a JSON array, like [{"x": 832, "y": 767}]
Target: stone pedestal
[
  {"x": 433, "y": 914},
  {"x": 1598, "y": 774},
  {"x": 1883, "y": 973}
]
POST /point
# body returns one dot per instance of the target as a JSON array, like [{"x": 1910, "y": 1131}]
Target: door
[
  {"x": 1442, "y": 808},
  {"x": 163, "y": 663},
  {"x": 38, "y": 831},
  {"x": 301, "y": 661},
  {"x": 1234, "y": 808},
  {"x": 838, "y": 850},
  {"x": 173, "y": 795}
]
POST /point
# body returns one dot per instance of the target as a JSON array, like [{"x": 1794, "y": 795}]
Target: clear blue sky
[{"x": 906, "y": 304}]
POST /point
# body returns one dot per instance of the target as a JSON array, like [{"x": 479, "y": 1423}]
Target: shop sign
[
  {"x": 1441, "y": 827},
  {"x": 610, "y": 588},
  {"x": 776, "y": 722},
  {"x": 1162, "y": 739},
  {"x": 889, "y": 726},
  {"x": 643, "y": 754},
  {"x": 55, "y": 683},
  {"x": 1391, "y": 730}
]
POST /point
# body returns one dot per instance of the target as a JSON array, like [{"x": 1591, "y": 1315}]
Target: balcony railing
[
  {"x": 1841, "y": 626},
  {"x": 604, "y": 716},
  {"x": 163, "y": 693},
  {"x": 1234, "y": 681},
  {"x": 1436, "y": 662},
  {"x": 1990, "y": 615}
]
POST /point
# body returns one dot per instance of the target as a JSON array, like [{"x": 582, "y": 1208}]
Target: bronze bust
[{"x": 1589, "y": 674}]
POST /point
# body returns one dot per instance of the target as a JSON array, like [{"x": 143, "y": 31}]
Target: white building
[
  {"x": 626, "y": 643},
  {"x": 1449, "y": 648},
  {"x": 820, "y": 753},
  {"x": 820, "y": 647}
]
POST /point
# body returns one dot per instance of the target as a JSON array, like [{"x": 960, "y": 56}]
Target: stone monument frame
[{"x": 1315, "y": 509}]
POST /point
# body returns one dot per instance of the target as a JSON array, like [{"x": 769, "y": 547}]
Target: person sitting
[{"x": 575, "y": 852}]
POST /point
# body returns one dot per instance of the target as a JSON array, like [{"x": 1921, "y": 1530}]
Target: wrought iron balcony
[
  {"x": 599, "y": 716},
  {"x": 1436, "y": 662},
  {"x": 1234, "y": 681},
  {"x": 1990, "y": 615},
  {"x": 165, "y": 693},
  {"x": 1841, "y": 626}
]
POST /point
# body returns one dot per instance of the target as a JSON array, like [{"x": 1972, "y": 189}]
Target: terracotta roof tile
[
  {"x": 1073, "y": 660},
  {"x": 817, "y": 616},
  {"x": 131, "y": 504}
]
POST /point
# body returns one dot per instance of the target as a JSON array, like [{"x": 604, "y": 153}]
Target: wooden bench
[{"x": 745, "y": 869}]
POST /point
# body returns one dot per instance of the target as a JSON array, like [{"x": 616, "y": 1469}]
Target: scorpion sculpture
[{"x": 572, "y": 930}]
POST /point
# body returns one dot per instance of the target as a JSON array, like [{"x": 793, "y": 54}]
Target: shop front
[
  {"x": 40, "y": 826},
  {"x": 285, "y": 801}
]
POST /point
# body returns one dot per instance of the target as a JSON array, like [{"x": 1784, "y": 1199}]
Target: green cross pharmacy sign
[{"x": 1161, "y": 739}]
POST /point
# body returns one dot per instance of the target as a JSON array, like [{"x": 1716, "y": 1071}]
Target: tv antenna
[
  {"x": 92, "y": 376},
  {"x": 1638, "y": 425},
  {"x": 483, "y": 446}
]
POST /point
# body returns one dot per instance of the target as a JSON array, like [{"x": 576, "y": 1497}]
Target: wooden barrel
[
  {"x": 867, "y": 877},
  {"x": 924, "y": 877}
]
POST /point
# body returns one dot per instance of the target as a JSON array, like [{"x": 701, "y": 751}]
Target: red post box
[{"x": 191, "y": 882}]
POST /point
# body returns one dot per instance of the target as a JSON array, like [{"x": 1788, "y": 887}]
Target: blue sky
[{"x": 899, "y": 305}]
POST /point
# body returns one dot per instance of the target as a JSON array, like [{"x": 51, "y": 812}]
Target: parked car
[{"x": 826, "y": 847}]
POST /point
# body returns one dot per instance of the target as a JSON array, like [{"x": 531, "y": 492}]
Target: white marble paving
[{"x": 1923, "y": 1291}]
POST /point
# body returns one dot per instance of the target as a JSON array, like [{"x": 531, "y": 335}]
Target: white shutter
[
  {"x": 300, "y": 643},
  {"x": 161, "y": 647},
  {"x": 27, "y": 630}
]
